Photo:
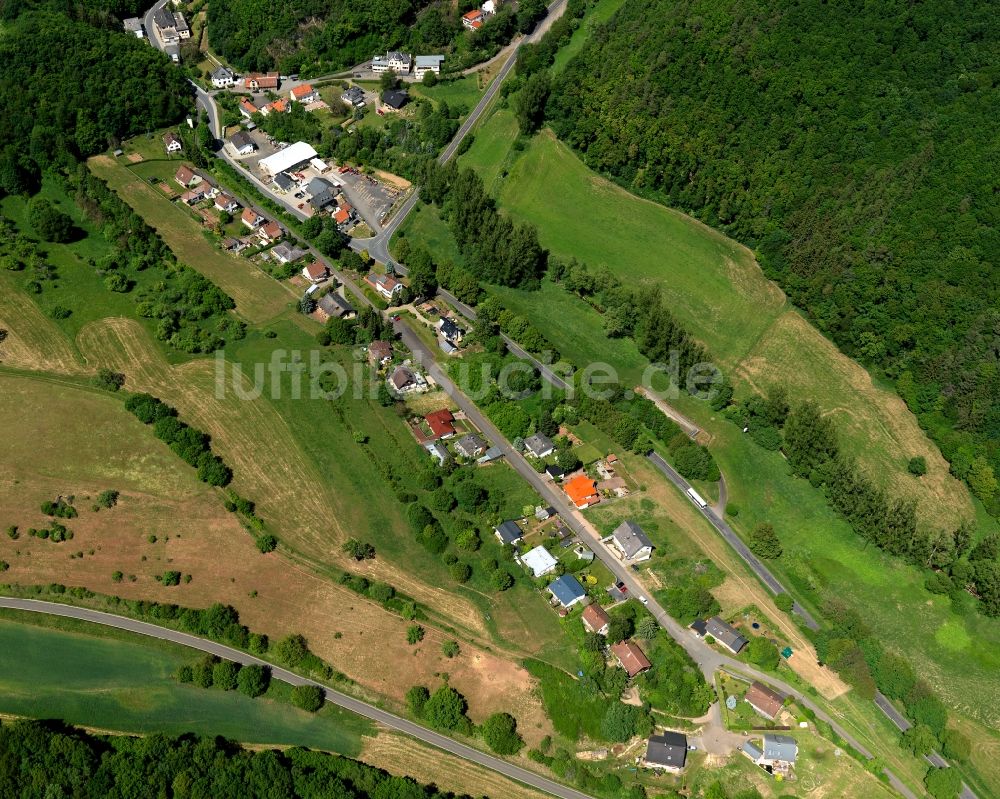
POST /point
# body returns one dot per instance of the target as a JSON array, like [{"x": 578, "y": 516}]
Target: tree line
[
  {"x": 957, "y": 564},
  {"x": 72, "y": 762},
  {"x": 871, "y": 206}
]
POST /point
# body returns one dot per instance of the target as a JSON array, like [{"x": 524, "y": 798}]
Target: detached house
[
  {"x": 764, "y": 700},
  {"x": 251, "y": 218},
  {"x": 379, "y": 353},
  {"x": 595, "y": 619},
  {"x": 450, "y": 330},
  {"x": 172, "y": 142},
  {"x": 473, "y": 20},
  {"x": 567, "y": 591},
  {"x": 247, "y": 108},
  {"x": 133, "y": 25},
  {"x": 270, "y": 232},
  {"x": 242, "y": 143},
  {"x": 333, "y": 305},
  {"x": 427, "y": 63},
  {"x": 582, "y": 491},
  {"x": 725, "y": 634},
  {"x": 354, "y": 97},
  {"x": 285, "y": 253},
  {"x": 315, "y": 272},
  {"x": 508, "y": 532},
  {"x": 539, "y": 445},
  {"x": 666, "y": 752},
  {"x": 223, "y": 78},
  {"x": 777, "y": 755},
  {"x": 539, "y": 561},
  {"x": 631, "y": 657},
  {"x": 470, "y": 446},
  {"x": 630, "y": 543},
  {"x": 224, "y": 202},
  {"x": 304, "y": 94},
  {"x": 441, "y": 423},
  {"x": 187, "y": 177},
  {"x": 386, "y": 285}
]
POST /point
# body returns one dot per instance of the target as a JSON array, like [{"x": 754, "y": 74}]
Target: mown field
[{"x": 125, "y": 683}]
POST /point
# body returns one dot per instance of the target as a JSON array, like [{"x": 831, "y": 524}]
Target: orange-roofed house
[
  {"x": 270, "y": 232},
  {"x": 595, "y": 619},
  {"x": 341, "y": 216},
  {"x": 315, "y": 272},
  {"x": 440, "y": 423},
  {"x": 304, "y": 93},
  {"x": 633, "y": 659},
  {"x": 279, "y": 106},
  {"x": 473, "y": 20},
  {"x": 251, "y": 218},
  {"x": 582, "y": 491}
]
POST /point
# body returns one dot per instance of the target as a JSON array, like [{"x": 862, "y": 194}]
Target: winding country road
[{"x": 332, "y": 695}]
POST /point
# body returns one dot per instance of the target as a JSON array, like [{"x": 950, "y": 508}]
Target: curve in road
[{"x": 332, "y": 695}]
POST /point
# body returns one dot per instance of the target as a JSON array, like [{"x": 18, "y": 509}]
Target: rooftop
[
  {"x": 567, "y": 590},
  {"x": 539, "y": 560},
  {"x": 632, "y": 658},
  {"x": 631, "y": 538},
  {"x": 668, "y": 749},
  {"x": 509, "y": 532}
]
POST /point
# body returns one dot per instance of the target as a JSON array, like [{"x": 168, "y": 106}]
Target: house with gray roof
[
  {"x": 354, "y": 97},
  {"x": 222, "y": 78},
  {"x": 332, "y": 305},
  {"x": 508, "y": 532},
  {"x": 666, "y": 752},
  {"x": 133, "y": 25},
  {"x": 321, "y": 192},
  {"x": 630, "y": 542},
  {"x": 751, "y": 750},
  {"x": 423, "y": 64},
  {"x": 242, "y": 143},
  {"x": 725, "y": 634},
  {"x": 283, "y": 182},
  {"x": 492, "y": 454},
  {"x": 470, "y": 445},
  {"x": 539, "y": 445},
  {"x": 438, "y": 451},
  {"x": 779, "y": 749}
]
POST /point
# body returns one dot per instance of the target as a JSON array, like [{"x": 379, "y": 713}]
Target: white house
[
  {"x": 539, "y": 445},
  {"x": 396, "y": 61},
  {"x": 386, "y": 285},
  {"x": 630, "y": 542},
  {"x": 539, "y": 561},
  {"x": 242, "y": 143},
  {"x": 133, "y": 25},
  {"x": 225, "y": 202},
  {"x": 304, "y": 94},
  {"x": 172, "y": 142},
  {"x": 427, "y": 63},
  {"x": 223, "y": 78}
]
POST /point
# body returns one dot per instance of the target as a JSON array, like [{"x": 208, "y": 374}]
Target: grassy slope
[
  {"x": 124, "y": 683},
  {"x": 600, "y": 13},
  {"x": 715, "y": 288}
]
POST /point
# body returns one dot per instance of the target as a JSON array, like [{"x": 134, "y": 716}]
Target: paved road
[
  {"x": 332, "y": 695},
  {"x": 378, "y": 246},
  {"x": 734, "y": 540}
]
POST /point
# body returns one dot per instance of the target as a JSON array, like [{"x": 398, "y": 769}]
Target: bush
[
  {"x": 416, "y": 700},
  {"x": 108, "y": 498},
  {"x": 460, "y": 572},
  {"x": 308, "y": 697},
  {"x": 253, "y": 680},
  {"x": 117, "y": 577},
  {"x": 450, "y": 649},
  {"x": 267, "y": 543},
  {"x": 225, "y": 674},
  {"x": 171, "y": 578},
  {"x": 784, "y": 602},
  {"x": 500, "y": 734},
  {"x": 108, "y": 380},
  {"x": 917, "y": 466},
  {"x": 291, "y": 650},
  {"x": 956, "y": 746},
  {"x": 414, "y": 634},
  {"x": 763, "y": 653}
]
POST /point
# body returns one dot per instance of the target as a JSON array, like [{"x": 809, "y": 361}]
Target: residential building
[
  {"x": 386, "y": 285},
  {"x": 165, "y": 26},
  {"x": 582, "y": 491},
  {"x": 227, "y": 203},
  {"x": 699, "y": 627},
  {"x": 187, "y": 177},
  {"x": 447, "y": 347},
  {"x": 473, "y": 20},
  {"x": 283, "y": 182},
  {"x": 508, "y": 532},
  {"x": 539, "y": 445},
  {"x": 779, "y": 752},
  {"x": 342, "y": 215},
  {"x": 321, "y": 193},
  {"x": 286, "y": 253},
  {"x": 183, "y": 31},
  {"x": 489, "y": 8},
  {"x": 595, "y": 619},
  {"x": 438, "y": 451},
  {"x": 279, "y": 106},
  {"x": 441, "y": 423},
  {"x": 450, "y": 330},
  {"x": 751, "y": 750},
  {"x": 304, "y": 93},
  {"x": 223, "y": 78},
  {"x": 765, "y": 701},
  {"x": 257, "y": 81},
  {"x": 195, "y": 195},
  {"x": 242, "y": 143},
  {"x": 394, "y": 99},
  {"x": 583, "y": 553},
  {"x": 270, "y": 232},
  {"x": 379, "y": 353},
  {"x": 470, "y": 445},
  {"x": 631, "y": 657},
  {"x": 394, "y": 60},
  {"x": 725, "y": 634},
  {"x": 554, "y": 472},
  {"x": 539, "y": 561},
  {"x": 405, "y": 380},
  {"x": 294, "y": 155},
  {"x": 354, "y": 97},
  {"x": 251, "y": 218},
  {"x": 332, "y": 305},
  {"x": 630, "y": 542},
  {"x": 133, "y": 25},
  {"x": 567, "y": 591},
  {"x": 172, "y": 142},
  {"x": 423, "y": 64},
  {"x": 247, "y": 107},
  {"x": 667, "y": 752},
  {"x": 315, "y": 272}
]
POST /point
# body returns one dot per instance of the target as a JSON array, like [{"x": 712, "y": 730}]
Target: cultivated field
[{"x": 258, "y": 297}]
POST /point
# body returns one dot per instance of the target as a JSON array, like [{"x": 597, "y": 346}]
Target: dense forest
[
  {"x": 72, "y": 87},
  {"x": 316, "y": 36},
  {"x": 48, "y": 759},
  {"x": 853, "y": 145}
]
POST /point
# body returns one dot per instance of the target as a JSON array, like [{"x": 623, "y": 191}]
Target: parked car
[
  {"x": 621, "y": 587},
  {"x": 644, "y": 600}
]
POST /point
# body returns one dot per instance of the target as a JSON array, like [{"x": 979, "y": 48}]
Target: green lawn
[
  {"x": 463, "y": 92},
  {"x": 425, "y": 226},
  {"x": 491, "y": 151},
  {"x": 124, "y": 683}
]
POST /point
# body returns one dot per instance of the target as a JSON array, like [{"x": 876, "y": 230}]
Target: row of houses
[{"x": 401, "y": 63}]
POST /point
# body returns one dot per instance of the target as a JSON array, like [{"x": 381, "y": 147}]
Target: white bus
[{"x": 696, "y": 498}]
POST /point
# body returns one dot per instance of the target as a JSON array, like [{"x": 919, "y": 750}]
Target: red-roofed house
[
  {"x": 304, "y": 93},
  {"x": 633, "y": 659},
  {"x": 247, "y": 108},
  {"x": 440, "y": 423},
  {"x": 270, "y": 232},
  {"x": 595, "y": 619},
  {"x": 187, "y": 177},
  {"x": 224, "y": 202},
  {"x": 583, "y": 491},
  {"x": 473, "y": 20},
  {"x": 315, "y": 272},
  {"x": 256, "y": 82},
  {"x": 279, "y": 106},
  {"x": 251, "y": 218},
  {"x": 341, "y": 216}
]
